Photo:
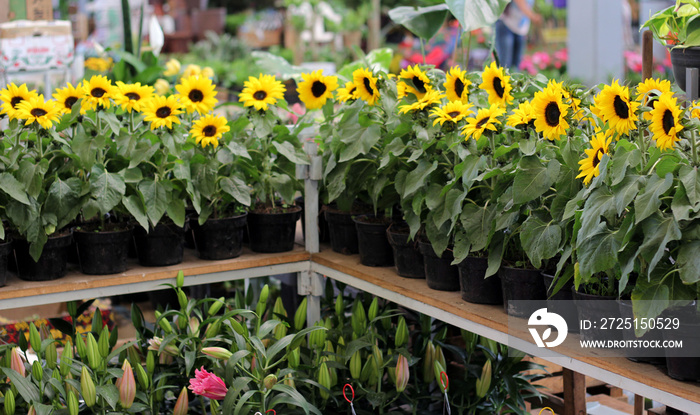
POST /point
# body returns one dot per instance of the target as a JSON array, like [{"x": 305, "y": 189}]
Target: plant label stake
[
  {"x": 546, "y": 408},
  {"x": 445, "y": 382},
  {"x": 268, "y": 411},
  {"x": 352, "y": 398}
]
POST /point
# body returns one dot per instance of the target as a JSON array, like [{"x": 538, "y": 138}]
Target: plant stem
[
  {"x": 642, "y": 143},
  {"x": 694, "y": 144},
  {"x": 422, "y": 49},
  {"x": 468, "y": 51}
]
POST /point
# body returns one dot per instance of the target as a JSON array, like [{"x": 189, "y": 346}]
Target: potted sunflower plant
[
  {"x": 40, "y": 194},
  {"x": 274, "y": 151}
]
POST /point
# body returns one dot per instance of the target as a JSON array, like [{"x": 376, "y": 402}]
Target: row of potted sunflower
[
  {"x": 595, "y": 185},
  {"x": 101, "y": 158}
]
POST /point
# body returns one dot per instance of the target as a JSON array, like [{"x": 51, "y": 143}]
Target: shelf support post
[
  {"x": 574, "y": 393},
  {"x": 311, "y": 174},
  {"x": 310, "y": 284}
]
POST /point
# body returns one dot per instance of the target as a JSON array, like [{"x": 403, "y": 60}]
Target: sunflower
[
  {"x": 172, "y": 67},
  {"x": 162, "y": 86},
  {"x": 366, "y": 85},
  {"x": 453, "y": 112},
  {"x": 196, "y": 93},
  {"x": 316, "y": 89},
  {"x": 68, "y": 96},
  {"x": 429, "y": 98},
  {"x": 497, "y": 84},
  {"x": 420, "y": 80},
  {"x": 97, "y": 91},
  {"x": 35, "y": 109},
  {"x": 98, "y": 64},
  {"x": 209, "y": 129},
  {"x": 348, "y": 92},
  {"x": 192, "y": 70},
  {"x": 550, "y": 112},
  {"x": 589, "y": 166},
  {"x": 132, "y": 96},
  {"x": 486, "y": 119},
  {"x": 261, "y": 91},
  {"x": 665, "y": 124},
  {"x": 162, "y": 111},
  {"x": 401, "y": 90},
  {"x": 649, "y": 90},
  {"x": 615, "y": 107},
  {"x": 524, "y": 115},
  {"x": 12, "y": 96},
  {"x": 456, "y": 84}
]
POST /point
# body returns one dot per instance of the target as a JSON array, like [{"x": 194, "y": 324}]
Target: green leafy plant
[{"x": 677, "y": 25}]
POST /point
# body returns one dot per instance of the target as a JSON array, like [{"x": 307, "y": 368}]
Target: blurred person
[{"x": 511, "y": 31}]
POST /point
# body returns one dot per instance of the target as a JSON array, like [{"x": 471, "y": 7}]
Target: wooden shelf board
[{"x": 492, "y": 322}]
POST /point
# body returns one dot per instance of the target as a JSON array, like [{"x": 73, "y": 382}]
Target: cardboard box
[
  {"x": 36, "y": 45},
  {"x": 25, "y": 10},
  {"x": 39, "y": 10}
]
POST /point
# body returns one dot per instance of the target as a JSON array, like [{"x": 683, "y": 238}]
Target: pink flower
[
  {"x": 182, "y": 403},
  {"x": 127, "y": 386},
  {"x": 16, "y": 361},
  {"x": 208, "y": 385}
]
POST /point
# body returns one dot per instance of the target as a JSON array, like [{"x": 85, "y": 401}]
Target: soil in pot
[
  {"x": 52, "y": 262},
  {"x": 475, "y": 288},
  {"x": 521, "y": 284},
  {"x": 683, "y": 367},
  {"x": 160, "y": 246},
  {"x": 273, "y": 230},
  {"x": 593, "y": 308},
  {"x": 5, "y": 250},
  {"x": 342, "y": 231},
  {"x": 103, "y": 251},
  {"x": 372, "y": 242},
  {"x": 656, "y": 356},
  {"x": 407, "y": 256},
  {"x": 439, "y": 273},
  {"x": 562, "y": 302},
  {"x": 219, "y": 238}
]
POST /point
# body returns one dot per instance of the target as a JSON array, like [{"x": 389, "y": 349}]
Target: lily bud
[
  {"x": 141, "y": 376},
  {"x": 279, "y": 309},
  {"x": 180, "y": 279},
  {"x": 194, "y": 326},
  {"x": 317, "y": 338},
  {"x": 163, "y": 323},
  {"x": 182, "y": 404},
  {"x": 300, "y": 315},
  {"x": 150, "y": 362},
  {"x": 51, "y": 356},
  {"x": 401, "y": 333},
  {"x": 72, "y": 308},
  {"x": 264, "y": 293},
  {"x": 37, "y": 371},
  {"x": 217, "y": 352},
  {"x": 216, "y": 306},
  {"x": 359, "y": 319},
  {"x": 181, "y": 298},
  {"x": 80, "y": 347},
  {"x": 368, "y": 370},
  {"x": 236, "y": 326},
  {"x": 289, "y": 380},
  {"x": 45, "y": 333},
  {"x": 160, "y": 389},
  {"x": 9, "y": 402},
  {"x": 72, "y": 403},
  {"x": 69, "y": 386},
  {"x": 93, "y": 353},
  {"x": 127, "y": 386},
  {"x": 324, "y": 379},
  {"x": 484, "y": 382},
  {"x": 437, "y": 371},
  {"x": 373, "y": 309},
  {"x": 87, "y": 386},
  {"x": 103, "y": 343},
  {"x": 294, "y": 358},
  {"x": 340, "y": 307},
  {"x": 356, "y": 365},
  {"x": 403, "y": 373},
  {"x": 378, "y": 355},
  {"x": 17, "y": 362},
  {"x": 269, "y": 381},
  {"x": 213, "y": 329},
  {"x": 428, "y": 360},
  {"x": 31, "y": 410},
  {"x": 169, "y": 349},
  {"x": 439, "y": 356},
  {"x": 391, "y": 371},
  {"x": 34, "y": 338}
]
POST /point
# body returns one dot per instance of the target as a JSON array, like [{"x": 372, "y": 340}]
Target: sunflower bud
[
  {"x": 37, "y": 371},
  {"x": 34, "y": 338},
  {"x": 402, "y": 373},
  {"x": 269, "y": 381},
  {"x": 401, "y": 333},
  {"x": 373, "y": 309},
  {"x": 9, "y": 402},
  {"x": 428, "y": 360},
  {"x": 356, "y": 365},
  {"x": 216, "y": 306},
  {"x": 483, "y": 383},
  {"x": 300, "y": 315},
  {"x": 88, "y": 387},
  {"x": 72, "y": 403},
  {"x": 182, "y": 403},
  {"x": 324, "y": 379}
]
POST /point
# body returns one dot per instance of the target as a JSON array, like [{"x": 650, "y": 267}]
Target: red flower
[{"x": 208, "y": 385}]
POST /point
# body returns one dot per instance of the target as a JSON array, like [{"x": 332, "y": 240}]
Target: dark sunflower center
[
  {"x": 652, "y": 100},
  {"x": 552, "y": 114},
  {"x": 368, "y": 86},
  {"x": 15, "y": 101},
  {"x": 97, "y": 92},
  {"x": 459, "y": 87},
  {"x": 259, "y": 95},
  {"x": 668, "y": 121},
  {"x": 209, "y": 131},
  {"x": 420, "y": 85},
  {"x": 482, "y": 122},
  {"x": 352, "y": 91},
  {"x": 498, "y": 87},
  {"x": 70, "y": 101},
  {"x": 195, "y": 95},
  {"x": 453, "y": 114},
  {"x": 163, "y": 112},
  {"x": 318, "y": 88},
  {"x": 621, "y": 108},
  {"x": 597, "y": 157},
  {"x": 38, "y": 112},
  {"x": 133, "y": 96}
]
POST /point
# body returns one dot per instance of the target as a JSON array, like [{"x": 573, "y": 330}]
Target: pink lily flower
[
  {"x": 127, "y": 386},
  {"x": 208, "y": 385}
]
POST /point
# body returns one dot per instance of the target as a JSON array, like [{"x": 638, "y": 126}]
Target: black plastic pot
[
  {"x": 407, "y": 256},
  {"x": 683, "y": 368},
  {"x": 682, "y": 58},
  {"x": 323, "y": 236},
  {"x": 567, "y": 311},
  {"x": 160, "y": 246},
  {"x": 475, "y": 288},
  {"x": 273, "y": 232},
  {"x": 521, "y": 284},
  {"x": 372, "y": 242},
  {"x": 219, "y": 238},
  {"x": 439, "y": 273},
  {"x": 52, "y": 262},
  {"x": 651, "y": 335},
  {"x": 103, "y": 252},
  {"x": 342, "y": 231},
  {"x": 5, "y": 250},
  {"x": 593, "y": 308}
]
